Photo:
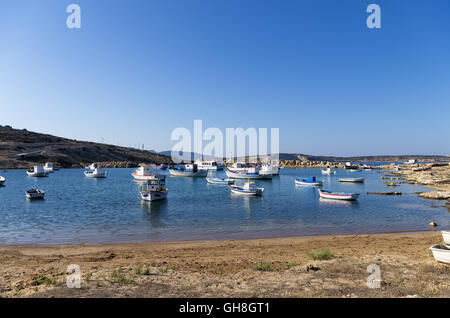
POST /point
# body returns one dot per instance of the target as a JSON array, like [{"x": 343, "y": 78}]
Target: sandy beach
[{"x": 247, "y": 268}]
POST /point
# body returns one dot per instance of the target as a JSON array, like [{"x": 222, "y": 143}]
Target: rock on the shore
[{"x": 436, "y": 195}]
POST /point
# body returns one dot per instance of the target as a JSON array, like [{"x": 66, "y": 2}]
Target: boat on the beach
[
  {"x": 354, "y": 180},
  {"x": 34, "y": 194},
  {"x": 310, "y": 181},
  {"x": 248, "y": 173},
  {"x": 2, "y": 180},
  {"x": 143, "y": 173},
  {"x": 96, "y": 173},
  {"x": 446, "y": 237},
  {"x": 208, "y": 165},
  {"x": 187, "y": 170},
  {"x": 155, "y": 189},
  {"x": 219, "y": 181},
  {"x": 421, "y": 169},
  {"x": 248, "y": 188},
  {"x": 441, "y": 253},
  {"x": 328, "y": 171},
  {"x": 37, "y": 171},
  {"x": 49, "y": 167},
  {"x": 338, "y": 195}
]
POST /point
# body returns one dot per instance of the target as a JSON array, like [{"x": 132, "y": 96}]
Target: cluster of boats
[{"x": 313, "y": 182}]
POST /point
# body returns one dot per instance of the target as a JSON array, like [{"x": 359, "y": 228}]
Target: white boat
[
  {"x": 143, "y": 173},
  {"x": 96, "y": 173},
  {"x": 310, "y": 181},
  {"x": 219, "y": 181},
  {"x": 155, "y": 189},
  {"x": 350, "y": 166},
  {"x": 446, "y": 237},
  {"x": 328, "y": 171},
  {"x": 248, "y": 173},
  {"x": 92, "y": 166},
  {"x": 2, "y": 180},
  {"x": 241, "y": 166},
  {"x": 354, "y": 180},
  {"x": 441, "y": 253},
  {"x": 397, "y": 168},
  {"x": 208, "y": 165},
  {"x": 188, "y": 170},
  {"x": 49, "y": 167},
  {"x": 248, "y": 188},
  {"x": 338, "y": 195},
  {"x": 37, "y": 171},
  {"x": 35, "y": 194},
  {"x": 269, "y": 169}
]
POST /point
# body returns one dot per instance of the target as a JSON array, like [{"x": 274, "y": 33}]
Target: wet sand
[{"x": 246, "y": 268}]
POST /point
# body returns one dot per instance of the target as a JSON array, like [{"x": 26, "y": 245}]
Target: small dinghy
[
  {"x": 446, "y": 236},
  {"x": 2, "y": 180},
  {"x": 96, "y": 173},
  {"x": 338, "y": 195},
  {"x": 248, "y": 188},
  {"x": 441, "y": 253},
  {"x": 354, "y": 180},
  {"x": 34, "y": 194},
  {"x": 328, "y": 171},
  {"x": 37, "y": 171},
  {"x": 219, "y": 181},
  {"x": 310, "y": 181}
]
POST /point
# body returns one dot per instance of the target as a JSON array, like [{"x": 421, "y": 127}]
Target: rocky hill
[{"x": 23, "y": 148}]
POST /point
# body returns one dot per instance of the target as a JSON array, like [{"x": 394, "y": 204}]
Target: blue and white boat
[
  {"x": 310, "y": 181},
  {"x": 187, "y": 170},
  {"x": 219, "y": 181},
  {"x": 248, "y": 188},
  {"x": 338, "y": 195}
]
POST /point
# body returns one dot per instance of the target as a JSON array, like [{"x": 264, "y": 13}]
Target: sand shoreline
[{"x": 236, "y": 268}]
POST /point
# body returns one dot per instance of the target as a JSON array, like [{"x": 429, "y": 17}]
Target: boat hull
[
  {"x": 446, "y": 237},
  {"x": 95, "y": 175},
  {"x": 352, "y": 180},
  {"x": 305, "y": 183},
  {"x": 252, "y": 176},
  {"x": 35, "y": 196},
  {"x": 184, "y": 173},
  {"x": 441, "y": 253},
  {"x": 36, "y": 174},
  {"x": 338, "y": 196},
  {"x": 154, "y": 195},
  {"x": 219, "y": 181}
]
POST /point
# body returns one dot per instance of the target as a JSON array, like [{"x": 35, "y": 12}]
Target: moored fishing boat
[
  {"x": 208, "y": 165},
  {"x": 441, "y": 253},
  {"x": 162, "y": 166},
  {"x": 249, "y": 173},
  {"x": 248, "y": 188},
  {"x": 269, "y": 169},
  {"x": 354, "y": 180},
  {"x": 240, "y": 166},
  {"x": 2, "y": 180},
  {"x": 310, "y": 181},
  {"x": 219, "y": 181},
  {"x": 34, "y": 194},
  {"x": 37, "y": 171},
  {"x": 187, "y": 170},
  {"x": 96, "y": 173},
  {"x": 328, "y": 171},
  {"x": 350, "y": 166},
  {"x": 49, "y": 167},
  {"x": 143, "y": 173},
  {"x": 338, "y": 195},
  {"x": 155, "y": 189}
]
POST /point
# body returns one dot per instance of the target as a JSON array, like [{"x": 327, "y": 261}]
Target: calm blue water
[{"x": 81, "y": 210}]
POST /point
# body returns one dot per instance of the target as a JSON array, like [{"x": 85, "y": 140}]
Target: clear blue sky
[{"x": 138, "y": 69}]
